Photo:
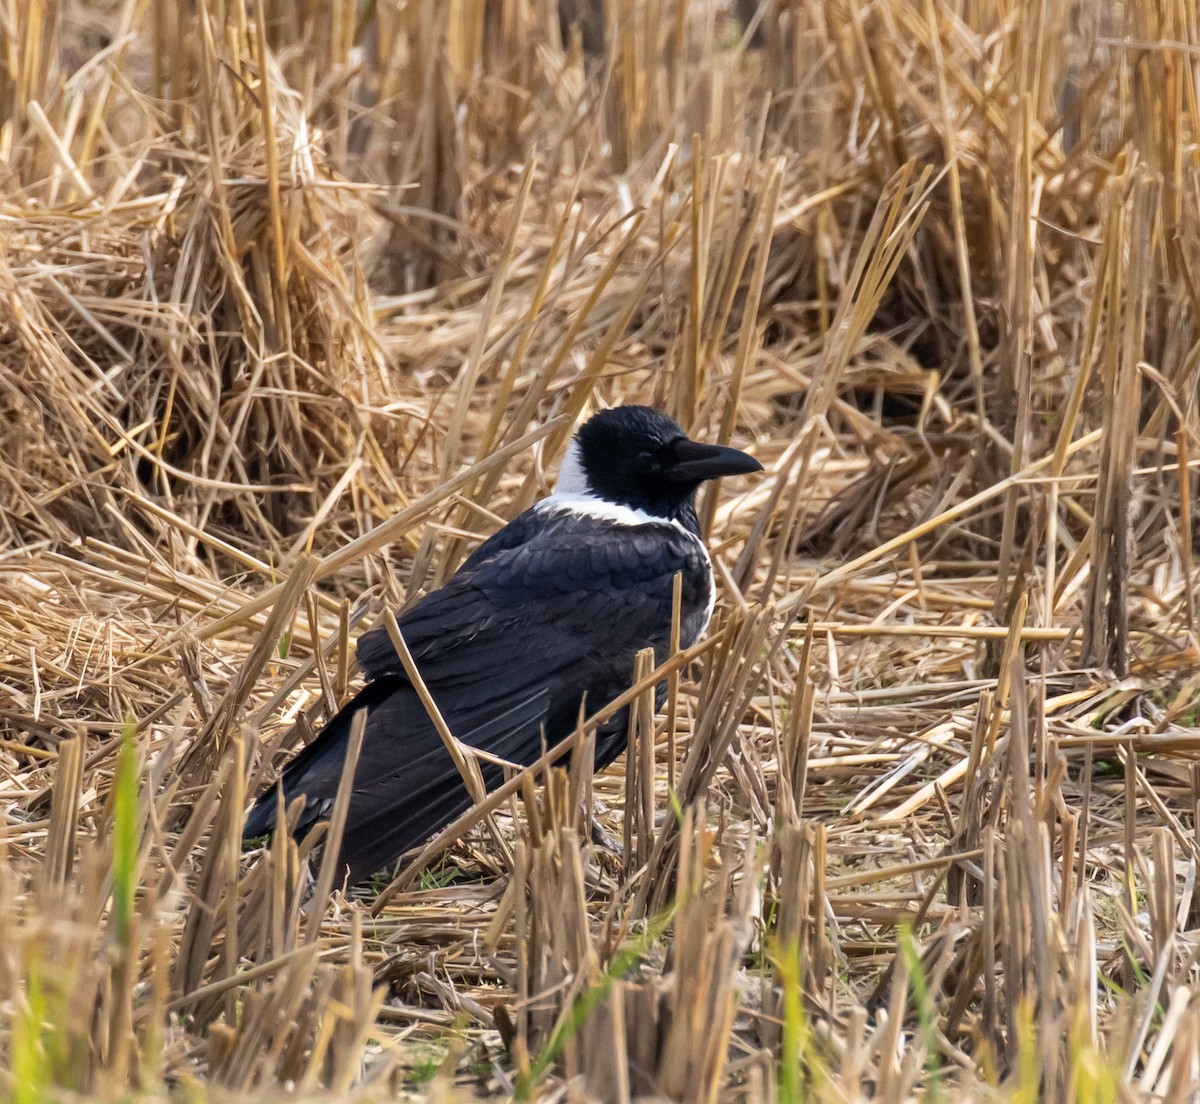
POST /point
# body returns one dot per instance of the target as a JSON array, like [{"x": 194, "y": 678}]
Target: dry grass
[{"x": 300, "y": 300}]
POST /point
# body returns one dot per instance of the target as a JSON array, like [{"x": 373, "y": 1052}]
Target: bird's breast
[{"x": 694, "y": 621}]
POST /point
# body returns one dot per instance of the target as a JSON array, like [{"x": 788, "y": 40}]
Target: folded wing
[{"x": 540, "y": 617}]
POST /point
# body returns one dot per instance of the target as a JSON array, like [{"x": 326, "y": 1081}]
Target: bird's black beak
[{"x": 694, "y": 463}]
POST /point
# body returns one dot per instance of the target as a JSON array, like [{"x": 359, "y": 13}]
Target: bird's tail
[
  {"x": 406, "y": 787},
  {"x": 261, "y": 819},
  {"x": 315, "y": 771}
]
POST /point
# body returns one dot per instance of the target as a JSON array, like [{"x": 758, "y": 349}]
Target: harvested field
[{"x": 300, "y": 300}]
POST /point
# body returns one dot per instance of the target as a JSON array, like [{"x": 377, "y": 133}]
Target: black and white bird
[{"x": 547, "y": 613}]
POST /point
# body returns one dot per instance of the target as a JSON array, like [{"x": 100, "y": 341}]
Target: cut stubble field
[{"x": 300, "y": 300}]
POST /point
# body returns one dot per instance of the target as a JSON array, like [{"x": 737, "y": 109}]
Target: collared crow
[{"x": 546, "y": 614}]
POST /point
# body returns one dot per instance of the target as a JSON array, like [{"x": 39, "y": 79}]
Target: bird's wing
[
  {"x": 508, "y": 649},
  {"x": 446, "y": 610}
]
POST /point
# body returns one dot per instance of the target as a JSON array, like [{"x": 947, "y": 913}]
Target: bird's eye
[{"x": 645, "y": 460}]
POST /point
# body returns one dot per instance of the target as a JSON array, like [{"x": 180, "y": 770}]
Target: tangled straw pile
[{"x": 300, "y": 300}]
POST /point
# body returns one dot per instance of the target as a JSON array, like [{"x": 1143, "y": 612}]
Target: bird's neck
[
  {"x": 681, "y": 513},
  {"x": 685, "y": 514},
  {"x": 589, "y": 504}
]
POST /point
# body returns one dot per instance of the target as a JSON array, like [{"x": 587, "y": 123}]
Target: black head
[{"x": 636, "y": 456}]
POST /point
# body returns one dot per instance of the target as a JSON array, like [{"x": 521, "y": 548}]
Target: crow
[{"x": 546, "y": 615}]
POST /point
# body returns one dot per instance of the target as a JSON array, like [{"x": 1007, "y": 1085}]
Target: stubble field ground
[{"x": 300, "y": 300}]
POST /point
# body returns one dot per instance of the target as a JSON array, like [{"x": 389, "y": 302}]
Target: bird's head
[{"x": 636, "y": 456}]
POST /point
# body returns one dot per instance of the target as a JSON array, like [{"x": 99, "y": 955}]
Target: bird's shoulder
[
  {"x": 554, "y": 570},
  {"x": 568, "y": 551}
]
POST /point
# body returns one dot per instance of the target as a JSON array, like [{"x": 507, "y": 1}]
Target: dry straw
[{"x": 300, "y": 300}]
